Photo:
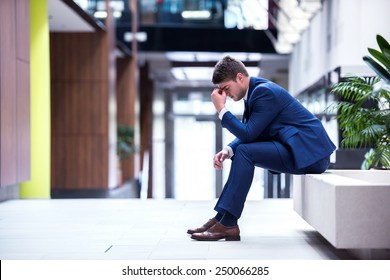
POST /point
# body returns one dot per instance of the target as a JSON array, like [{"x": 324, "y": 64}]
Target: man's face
[{"x": 234, "y": 89}]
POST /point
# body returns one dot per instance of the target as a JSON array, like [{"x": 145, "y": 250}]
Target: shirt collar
[{"x": 246, "y": 94}]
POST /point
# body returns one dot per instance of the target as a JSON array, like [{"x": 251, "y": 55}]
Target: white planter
[{"x": 350, "y": 208}]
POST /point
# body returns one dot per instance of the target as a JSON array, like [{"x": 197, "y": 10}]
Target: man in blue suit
[{"x": 276, "y": 133}]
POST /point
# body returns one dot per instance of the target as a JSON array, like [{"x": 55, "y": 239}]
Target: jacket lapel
[{"x": 253, "y": 83}]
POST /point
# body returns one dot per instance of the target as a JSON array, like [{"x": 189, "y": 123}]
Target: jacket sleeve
[
  {"x": 234, "y": 144},
  {"x": 264, "y": 107}
]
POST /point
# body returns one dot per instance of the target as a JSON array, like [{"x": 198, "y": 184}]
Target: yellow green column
[{"x": 39, "y": 185}]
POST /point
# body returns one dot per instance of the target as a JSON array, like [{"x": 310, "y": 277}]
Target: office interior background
[{"x": 73, "y": 72}]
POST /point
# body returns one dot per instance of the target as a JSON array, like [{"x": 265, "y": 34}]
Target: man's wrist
[{"x": 222, "y": 112}]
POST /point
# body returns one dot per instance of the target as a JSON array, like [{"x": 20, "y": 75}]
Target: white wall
[{"x": 338, "y": 36}]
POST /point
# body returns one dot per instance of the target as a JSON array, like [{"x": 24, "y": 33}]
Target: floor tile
[{"x": 152, "y": 230}]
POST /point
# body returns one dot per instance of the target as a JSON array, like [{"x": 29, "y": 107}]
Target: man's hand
[
  {"x": 218, "y": 97},
  {"x": 219, "y": 158}
]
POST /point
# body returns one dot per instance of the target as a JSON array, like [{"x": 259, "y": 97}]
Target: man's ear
[{"x": 240, "y": 77}]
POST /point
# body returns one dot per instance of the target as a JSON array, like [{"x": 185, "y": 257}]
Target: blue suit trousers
[{"x": 270, "y": 155}]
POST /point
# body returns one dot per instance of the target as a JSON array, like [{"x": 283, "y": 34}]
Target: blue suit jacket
[{"x": 275, "y": 115}]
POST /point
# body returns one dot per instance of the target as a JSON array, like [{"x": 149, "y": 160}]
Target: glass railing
[
  {"x": 226, "y": 13},
  {"x": 239, "y": 14},
  {"x": 162, "y": 22}
]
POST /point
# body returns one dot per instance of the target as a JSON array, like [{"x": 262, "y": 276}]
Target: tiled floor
[{"x": 125, "y": 229}]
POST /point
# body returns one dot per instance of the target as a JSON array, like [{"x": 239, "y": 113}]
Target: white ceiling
[{"x": 64, "y": 19}]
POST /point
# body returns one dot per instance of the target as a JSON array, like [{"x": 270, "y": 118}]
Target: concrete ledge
[
  {"x": 350, "y": 208},
  {"x": 9, "y": 192}
]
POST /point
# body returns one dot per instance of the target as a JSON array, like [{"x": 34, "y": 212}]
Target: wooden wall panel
[
  {"x": 80, "y": 162},
  {"x": 23, "y": 122},
  {"x": 79, "y": 57},
  {"x": 79, "y": 108},
  {"x": 125, "y": 107},
  {"x": 22, "y": 29},
  {"x": 8, "y": 92},
  {"x": 80, "y": 92},
  {"x": 23, "y": 89},
  {"x": 14, "y": 92}
]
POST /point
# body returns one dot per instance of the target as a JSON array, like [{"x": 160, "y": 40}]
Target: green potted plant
[
  {"x": 125, "y": 141},
  {"x": 363, "y": 109}
]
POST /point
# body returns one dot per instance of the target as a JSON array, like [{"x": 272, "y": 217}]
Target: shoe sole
[{"x": 227, "y": 238}]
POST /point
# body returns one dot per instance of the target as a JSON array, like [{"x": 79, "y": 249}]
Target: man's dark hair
[{"x": 227, "y": 69}]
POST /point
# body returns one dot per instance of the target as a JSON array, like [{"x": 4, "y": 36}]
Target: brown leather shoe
[
  {"x": 203, "y": 228},
  {"x": 217, "y": 232}
]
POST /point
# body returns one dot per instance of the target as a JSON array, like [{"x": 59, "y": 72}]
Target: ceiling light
[
  {"x": 178, "y": 74},
  {"x": 310, "y": 6},
  {"x": 192, "y": 73},
  {"x": 117, "y": 14},
  {"x": 210, "y": 56},
  {"x": 300, "y": 23},
  {"x": 201, "y": 14},
  {"x": 139, "y": 36},
  {"x": 290, "y": 37},
  {"x": 180, "y": 56},
  {"x": 100, "y": 14},
  {"x": 283, "y": 48}
]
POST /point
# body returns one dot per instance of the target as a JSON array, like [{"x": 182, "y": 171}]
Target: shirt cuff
[
  {"x": 230, "y": 151},
  {"x": 223, "y": 111}
]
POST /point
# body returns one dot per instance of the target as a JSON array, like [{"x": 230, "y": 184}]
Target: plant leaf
[
  {"x": 380, "y": 57},
  {"x": 382, "y": 43},
  {"x": 382, "y": 72},
  {"x": 386, "y": 52}
]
